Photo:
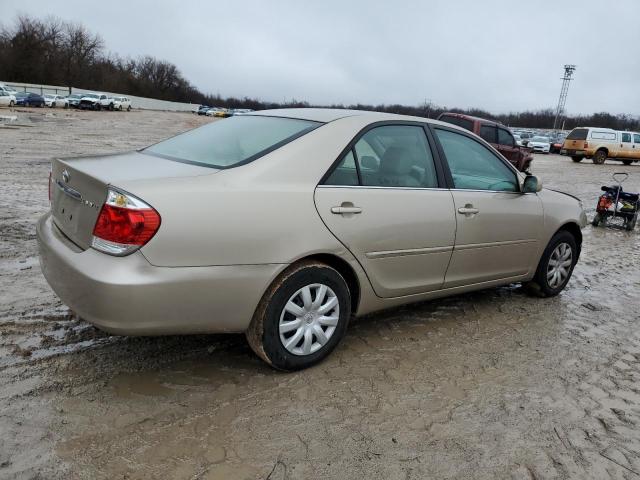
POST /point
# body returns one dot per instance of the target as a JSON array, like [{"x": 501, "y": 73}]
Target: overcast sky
[{"x": 498, "y": 55}]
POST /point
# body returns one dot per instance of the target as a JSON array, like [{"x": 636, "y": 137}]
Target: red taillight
[{"x": 125, "y": 223}]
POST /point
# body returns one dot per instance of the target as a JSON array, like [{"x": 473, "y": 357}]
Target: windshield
[
  {"x": 21, "y": 94},
  {"x": 540, "y": 139},
  {"x": 233, "y": 141}
]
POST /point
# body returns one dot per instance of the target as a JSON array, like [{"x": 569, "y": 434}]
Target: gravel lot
[{"x": 488, "y": 385}]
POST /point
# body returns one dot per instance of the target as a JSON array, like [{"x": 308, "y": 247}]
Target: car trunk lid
[{"x": 79, "y": 186}]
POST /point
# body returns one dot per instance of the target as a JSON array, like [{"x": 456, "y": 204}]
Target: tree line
[{"x": 54, "y": 52}]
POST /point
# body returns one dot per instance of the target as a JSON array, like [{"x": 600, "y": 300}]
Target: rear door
[
  {"x": 498, "y": 227},
  {"x": 386, "y": 202},
  {"x": 626, "y": 145}
]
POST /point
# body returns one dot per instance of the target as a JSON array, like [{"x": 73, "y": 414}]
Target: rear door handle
[
  {"x": 468, "y": 209},
  {"x": 342, "y": 210}
]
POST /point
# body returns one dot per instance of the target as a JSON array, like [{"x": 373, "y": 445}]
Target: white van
[{"x": 598, "y": 144}]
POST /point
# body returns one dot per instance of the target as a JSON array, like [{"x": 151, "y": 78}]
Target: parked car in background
[
  {"x": 222, "y": 113},
  {"x": 10, "y": 91},
  {"x": 73, "y": 100},
  {"x": 518, "y": 140},
  {"x": 7, "y": 99},
  {"x": 53, "y": 101},
  {"x": 211, "y": 111},
  {"x": 96, "y": 101},
  {"x": 556, "y": 143},
  {"x": 388, "y": 210},
  {"x": 122, "y": 103},
  {"x": 525, "y": 137},
  {"x": 28, "y": 99},
  {"x": 496, "y": 134},
  {"x": 240, "y": 111},
  {"x": 598, "y": 144},
  {"x": 202, "y": 109},
  {"x": 539, "y": 144}
]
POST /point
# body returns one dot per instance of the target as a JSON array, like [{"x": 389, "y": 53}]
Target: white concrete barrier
[{"x": 136, "y": 102}]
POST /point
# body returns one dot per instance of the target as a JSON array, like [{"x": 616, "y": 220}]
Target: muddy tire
[
  {"x": 600, "y": 157},
  {"x": 301, "y": 318},
  {"x": 631, "y": 223},
  {"x": 555, "y": 267},
  {"x": 627, "y": 162},
  {"x": 576, "y": 159}
]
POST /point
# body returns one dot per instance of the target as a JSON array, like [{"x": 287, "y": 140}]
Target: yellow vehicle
[{"x": 598, "y": 144}]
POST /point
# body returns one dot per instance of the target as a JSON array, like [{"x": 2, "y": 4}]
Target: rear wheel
[
  {"x": 11, "y": 104},
  {"x": 129, "y": 108},
  {"x": 627, "y": 162},
  {"x": 600, "y": 157},
  {"x": 301, "y": 318},
  {"x": 576, "y": 159},
  {"x": 556, "y": 265}
]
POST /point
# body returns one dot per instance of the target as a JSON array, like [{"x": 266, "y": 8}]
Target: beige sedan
[{"x": 284, "y": 224}]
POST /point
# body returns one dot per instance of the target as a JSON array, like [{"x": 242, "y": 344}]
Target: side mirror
[{"x": 531, "y": 184}]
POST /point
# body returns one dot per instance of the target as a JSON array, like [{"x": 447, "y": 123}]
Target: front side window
[
  {"x": 626, "y": 137},
  {"x": 505, "y": 138},
  {"x": 475, "y": 167},
  {"x": 232, "y": 141}
]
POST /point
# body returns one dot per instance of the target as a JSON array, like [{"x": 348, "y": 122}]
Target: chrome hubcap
[
  {"x": 309, "y": 319},
  {"x": 559, "y": 265}
]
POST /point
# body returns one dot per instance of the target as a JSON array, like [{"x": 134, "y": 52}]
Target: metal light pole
[{"x": 568, "y": 72}]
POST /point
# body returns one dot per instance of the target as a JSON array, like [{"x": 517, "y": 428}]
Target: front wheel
[
  {"x": 301, "y": 318},
  {"x": 576, "y": 159},
  {"x": 11, "y": 104},
  {"x": 598, "y": 219},
  {"x": 631, "y": 223},
  {"x": 556, "y": 265}
]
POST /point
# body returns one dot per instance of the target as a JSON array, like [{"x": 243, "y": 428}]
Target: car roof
[
  {"x": 326, "y": 115},
  {"x": 471, "y": 117}
]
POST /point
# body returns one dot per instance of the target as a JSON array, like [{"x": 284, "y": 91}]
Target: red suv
[{"x": 496, "y": 134}]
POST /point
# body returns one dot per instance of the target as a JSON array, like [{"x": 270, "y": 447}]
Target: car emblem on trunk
[{"x": 66, "y": 176}]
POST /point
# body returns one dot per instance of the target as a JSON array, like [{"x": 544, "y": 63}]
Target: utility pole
[{"x": 568, "y": 72}]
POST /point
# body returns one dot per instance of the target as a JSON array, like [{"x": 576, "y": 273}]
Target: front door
[
  {"x": 385, "y": 203},
  {"x": 626, "y": 145},
  {"x": 498, "y": 227}
]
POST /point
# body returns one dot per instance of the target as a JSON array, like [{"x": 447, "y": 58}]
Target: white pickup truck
[{"x": 96, "y": 101}]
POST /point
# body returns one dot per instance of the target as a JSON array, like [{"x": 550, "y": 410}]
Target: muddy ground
[{"x": 493, "y": 384}]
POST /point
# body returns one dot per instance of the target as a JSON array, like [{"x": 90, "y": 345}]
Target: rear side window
[
  {"x": 233, "y": 141},
  {"x": 626, "y": 137},
  {"x": 459, "y": 121},
  {"x": 636, "y": 138},
  {"x": 578, "y": 134},
  {"x": 602, "y": 135},
  {"x": 388, "y": 156}
]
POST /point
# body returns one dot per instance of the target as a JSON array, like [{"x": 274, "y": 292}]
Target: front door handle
[
  {"x": 468, "y": 210},
  {"x": 346, "y": 207}
]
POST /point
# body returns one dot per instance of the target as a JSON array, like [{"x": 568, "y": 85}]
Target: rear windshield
[
  {"x": 578, "y": 134},
  {"x": 461, "y": 122},
  {"x": 232, "y": 141}
]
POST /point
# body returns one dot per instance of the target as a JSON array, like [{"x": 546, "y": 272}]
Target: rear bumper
[{"x": 129, "y": 296}]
